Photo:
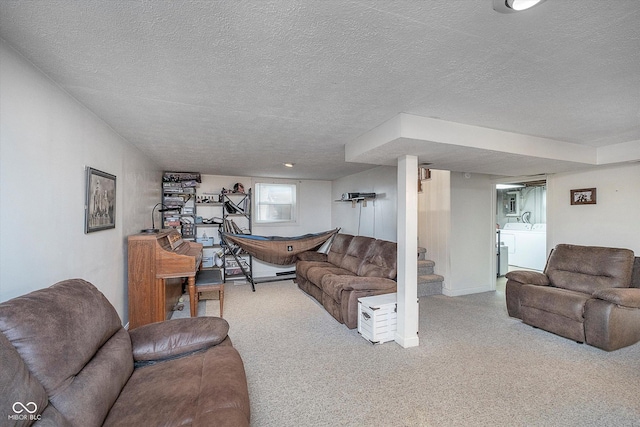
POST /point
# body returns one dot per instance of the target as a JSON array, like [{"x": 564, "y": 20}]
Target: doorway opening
[{"x": 521, "y": 227}]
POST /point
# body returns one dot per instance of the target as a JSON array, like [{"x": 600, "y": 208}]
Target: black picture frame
[{"x": 100, "y": 201}]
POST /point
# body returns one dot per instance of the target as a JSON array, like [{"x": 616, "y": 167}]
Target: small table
[{"x": 206, "y": 281}]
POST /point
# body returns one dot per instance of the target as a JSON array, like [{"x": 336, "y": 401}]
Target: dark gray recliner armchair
[{"x": 586, "y": 293}]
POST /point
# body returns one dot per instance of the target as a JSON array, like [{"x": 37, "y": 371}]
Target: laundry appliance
[{"x": 527, "y": 244}]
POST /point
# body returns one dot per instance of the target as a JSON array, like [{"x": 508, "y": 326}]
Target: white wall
[
  {"x": 613, "y": 221},
  {"x": 455, "y": 217},
  {"x": 472, "y": 244},
  {"x": 378, "y": 219},
  {"x": 434, "y": 220},
  {"x": 46, "y": 140},
  {"x": 314, "y": 203}
]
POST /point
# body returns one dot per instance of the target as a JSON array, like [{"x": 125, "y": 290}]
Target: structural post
[{"x": 407, "y": 328}]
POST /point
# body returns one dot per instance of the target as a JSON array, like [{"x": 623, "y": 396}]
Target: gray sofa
[
  {"x": 354, "y": 267},
  {"x": 586, "y": 293},
  {"x": 67, "y": 361}
]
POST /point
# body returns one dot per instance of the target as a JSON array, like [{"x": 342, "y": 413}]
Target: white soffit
[
  {"x": 619, "y": 153},
  {"x": 466, "y": 148}
]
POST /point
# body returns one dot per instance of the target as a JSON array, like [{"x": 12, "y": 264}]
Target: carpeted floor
[{"x": 475, "y": 366}]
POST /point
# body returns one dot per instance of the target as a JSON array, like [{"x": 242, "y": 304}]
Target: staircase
[{"x": 428, "y": 282}]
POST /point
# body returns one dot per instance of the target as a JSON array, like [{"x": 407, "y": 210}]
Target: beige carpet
[
  {"x": 475, "y": 366},
  {"x": 209, "y": 305}
]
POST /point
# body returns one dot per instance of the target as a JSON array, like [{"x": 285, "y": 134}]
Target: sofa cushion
[
  {"x": 71, "y": 339},
  {"x": 315, "y": 274},
  {"x": 302, "y": 267},
  {"x": 562, "y": 302},
  {"x": 205, "y": 391},
  {"x": 380, "y": 260},
  {"x": 356, "y": 253},
  {"x": 339, "y": 248},
  {"x": 589, "y": 268},
  {"x": 334, "y": 284}
]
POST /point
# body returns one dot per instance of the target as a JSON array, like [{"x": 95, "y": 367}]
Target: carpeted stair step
[
  {"x": 422, "y": 253},
  {"x": 429, "y": 284},
  {"x": 425, "y": 267}
]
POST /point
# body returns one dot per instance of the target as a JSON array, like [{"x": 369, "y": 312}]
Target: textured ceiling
[{"x": 239, "y": 87}]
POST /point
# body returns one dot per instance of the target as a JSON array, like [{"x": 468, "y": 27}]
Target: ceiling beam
[{"x": 407, "y": 134}]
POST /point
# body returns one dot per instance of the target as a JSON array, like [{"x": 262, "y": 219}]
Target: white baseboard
[{"x": 406, "y": 342}]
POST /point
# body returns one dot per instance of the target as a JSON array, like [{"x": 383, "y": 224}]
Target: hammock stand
[{"x": 272, "y": 249}]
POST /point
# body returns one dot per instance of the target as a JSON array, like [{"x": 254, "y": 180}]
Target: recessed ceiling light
[
  {"x": 289, "y": 165},
  {"x": 508, "y": 6}
]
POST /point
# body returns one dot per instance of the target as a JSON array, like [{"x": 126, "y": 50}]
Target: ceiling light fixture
[
  {"x": 509, "y": 6},
  {"x": 508, "y": 186},
  {"x": 289, "y": 165}
]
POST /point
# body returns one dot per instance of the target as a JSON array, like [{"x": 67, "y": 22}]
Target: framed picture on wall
[
  {"x": 583, "y": 196},
  {"x": 100, "y": 201}
]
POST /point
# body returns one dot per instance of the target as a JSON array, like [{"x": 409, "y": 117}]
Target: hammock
[{"x": 275, "y": 249}]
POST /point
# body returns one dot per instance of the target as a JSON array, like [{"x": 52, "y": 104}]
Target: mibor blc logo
[{"x": 22, "y": 411}]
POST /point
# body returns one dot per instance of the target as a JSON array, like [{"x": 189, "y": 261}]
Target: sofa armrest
[
  {"x": 625, "y": 297},
  {"x": 173, "y": 338},
  {"x": 312, "y": 256},
  {"x": 528, "y": 277}
]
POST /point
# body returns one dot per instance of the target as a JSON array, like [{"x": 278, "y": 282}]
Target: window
[{"x": 275, "y": 202}]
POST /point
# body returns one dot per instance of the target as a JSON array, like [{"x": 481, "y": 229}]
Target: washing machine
[{"x": 527, "y": 244}]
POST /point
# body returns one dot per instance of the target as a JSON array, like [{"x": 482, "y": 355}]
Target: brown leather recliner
[
  {"x": 586, "y": 293},
  {"x": 67, "y": 361}
]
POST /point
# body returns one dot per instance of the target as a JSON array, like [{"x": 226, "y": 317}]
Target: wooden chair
[{"x": 206, "y": 281}]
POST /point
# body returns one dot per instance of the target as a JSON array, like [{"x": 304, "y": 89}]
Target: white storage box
[{"x": 377, "y": 317}]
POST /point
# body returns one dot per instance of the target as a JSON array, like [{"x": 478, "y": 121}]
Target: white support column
[{"x": 407, "y": 328}]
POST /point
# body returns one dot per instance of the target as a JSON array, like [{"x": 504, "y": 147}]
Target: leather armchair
[
  {"x": 67, "y": 357},
  {"x": 586, "y": 293}
]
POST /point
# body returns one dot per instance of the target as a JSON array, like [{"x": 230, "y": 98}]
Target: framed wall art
[
  {"x": 100, "y": 202},
  {"x": 583, "y": 196}
]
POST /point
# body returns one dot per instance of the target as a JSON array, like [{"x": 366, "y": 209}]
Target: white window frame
[{"x": 259, "y": 186}]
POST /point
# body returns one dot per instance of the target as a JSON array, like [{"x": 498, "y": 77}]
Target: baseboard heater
[{"x": 285, "y": 273}]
